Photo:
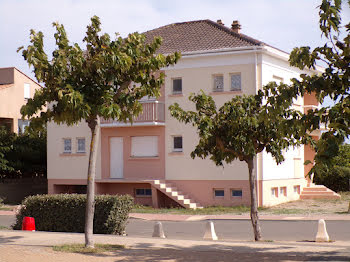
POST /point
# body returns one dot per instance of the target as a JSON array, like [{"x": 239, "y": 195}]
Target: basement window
[
  {"x": 143, "y": 192},
  {"x": 274, "y": 191},
  {"x": 297, "y": 189},
  {"x": 237, "y": 192},
  {"x": 219, "y": 193},
  {"x": 283, "y": 191}
]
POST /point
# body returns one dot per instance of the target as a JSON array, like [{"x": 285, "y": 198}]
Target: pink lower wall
[
  {"x": 202, "y": 191},
  {"x": 134, "y": 168}
]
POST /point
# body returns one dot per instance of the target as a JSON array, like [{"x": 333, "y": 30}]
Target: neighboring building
[
  {"x": 151, "y": 161},
  {"x": 15, "y": 89}
]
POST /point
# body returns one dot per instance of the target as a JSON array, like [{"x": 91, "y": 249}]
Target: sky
[{"x": 281, "y": 23}]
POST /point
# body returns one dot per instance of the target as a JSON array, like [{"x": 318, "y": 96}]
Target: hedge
[{"x": 66, "y": 213}]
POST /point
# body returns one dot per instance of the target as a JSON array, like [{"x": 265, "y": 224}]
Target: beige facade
[
  {"x": 15, "y": 89},
  {"x": 150, "y": 159}
]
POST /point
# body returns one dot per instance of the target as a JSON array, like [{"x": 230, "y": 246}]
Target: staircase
[
  {"x": 172, "y": 192},
  {"x": 318, "y": 192}
]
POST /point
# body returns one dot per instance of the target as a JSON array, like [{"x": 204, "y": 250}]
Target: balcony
[{"x": 153, "y": 114}]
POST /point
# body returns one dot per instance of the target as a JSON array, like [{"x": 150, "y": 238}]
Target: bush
[
  {"x": 66, "y": 213},
  {"x": 335, "y": 178}
]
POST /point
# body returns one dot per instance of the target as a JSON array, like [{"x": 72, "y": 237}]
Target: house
[
  {"x": 15, "y": 89},
  {"x": 150, "y": 159}
]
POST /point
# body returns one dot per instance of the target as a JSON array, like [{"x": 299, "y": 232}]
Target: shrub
[
  {"x": 66, "y": 213},
  {"x": 336, "y": 178}
]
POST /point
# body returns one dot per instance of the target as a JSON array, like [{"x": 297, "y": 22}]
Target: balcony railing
[{"x": 153, "y": 113}]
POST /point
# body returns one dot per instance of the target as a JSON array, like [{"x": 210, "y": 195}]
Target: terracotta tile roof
[{"x": 201, "y": 35}]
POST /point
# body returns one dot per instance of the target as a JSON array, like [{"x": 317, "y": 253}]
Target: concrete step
[
  {"x": 321, "y": 196},
  {"x": 317, "y": 193},
  {"x": 315, "y": 189},
  {"x": 173, "y": 193}
]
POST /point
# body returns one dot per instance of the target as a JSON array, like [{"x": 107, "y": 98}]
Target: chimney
[
  {"x": 236, "y": 26},
  {"x": 220, "y": 22}
]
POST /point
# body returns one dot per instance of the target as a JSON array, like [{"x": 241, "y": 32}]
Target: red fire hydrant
[{"x": 28, "y": 224}]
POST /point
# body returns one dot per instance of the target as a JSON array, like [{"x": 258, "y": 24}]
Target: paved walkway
[{"x": 36, "y": 247}]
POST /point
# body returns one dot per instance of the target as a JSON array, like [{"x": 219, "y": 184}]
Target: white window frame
[
  {"x": 182, "y": 140},
  {"x": 78, "y": 150},
  {"x": 223, "y": 83},
  {"x": 240, "y": 84},
  {"x": 136, "y": 152},
  {"x": 172, "y": 86},
  {"x": 64, "y": 145}
]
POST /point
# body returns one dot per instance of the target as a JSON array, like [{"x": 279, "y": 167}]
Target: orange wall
[
  {"x": 134, "y": 168},
  {"x": 309, "y": 154}
]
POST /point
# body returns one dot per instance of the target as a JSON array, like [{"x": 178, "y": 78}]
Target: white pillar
[
  {"x": 158, "y": 230},
  {"x": 322, "y": 235},
  {"x": 210, "y": 231}
]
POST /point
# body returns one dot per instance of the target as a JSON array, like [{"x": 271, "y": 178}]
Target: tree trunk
[
  {"x": 90, "y": 195},
  {"x": 253, "y": 201}
]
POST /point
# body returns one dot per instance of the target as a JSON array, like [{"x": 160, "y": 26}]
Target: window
[
  {"x": 143, "y": 192},
  {"x": 67, "y": 142},
  {"x": 81, "y": 145},
  {"x": 283, "y": 191},
  {"x": 236, "y": 82},
  {"x": 26, "y": 91},
  {"x": 218, "y": 83},
  {"x": 177, "y": 86},
  {"x": 297, "y": 189},
  {"x": 144, "y": 146},
  {"x": 22, "y": 125},
  {"x": 274, "y": 191},
  {"x": 177, "y": 144},
  {"x": 219, "y": 193},
  {"x": 237, "y": 192}
]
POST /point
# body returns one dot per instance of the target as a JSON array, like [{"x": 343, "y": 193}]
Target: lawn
[{"x": 299, "y": 207}]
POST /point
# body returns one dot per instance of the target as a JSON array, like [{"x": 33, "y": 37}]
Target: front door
[{"x": 116, "y": 157}]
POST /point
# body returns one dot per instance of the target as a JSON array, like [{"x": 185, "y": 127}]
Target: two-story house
[
  {"x": 150, "y": 159},
  {"x": 15, "y": 89}
]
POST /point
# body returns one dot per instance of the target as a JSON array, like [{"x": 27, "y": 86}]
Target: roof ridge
[{"x": 239, "y": 35}]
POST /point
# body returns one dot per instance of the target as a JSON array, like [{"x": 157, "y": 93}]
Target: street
[
  {"x": 290, "y": 230},
  {"x": 242, "y": 229}
]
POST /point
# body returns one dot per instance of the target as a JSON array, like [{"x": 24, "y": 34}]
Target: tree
[
  {"x": 105, "y": 80},
  {"x": 5, "y": 146},
  {"x": 240, "y": 129},
  {"x": 333, "y": 84},
  {"x": 24, "y": 154},
  {"x": 336, "y": 175}
]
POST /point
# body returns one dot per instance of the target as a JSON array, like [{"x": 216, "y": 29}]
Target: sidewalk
[
  {"x": 36, "y": 247},
  {"x": 175, "y": 217}
]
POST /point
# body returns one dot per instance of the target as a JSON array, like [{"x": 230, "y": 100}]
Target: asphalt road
[
  {"x": 232, "y": 229},
  {"x": 242, "y": 229}
]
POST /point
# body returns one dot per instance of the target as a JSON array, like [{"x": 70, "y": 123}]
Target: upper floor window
[
  {"x": 177, "y": 86},
  {"x": 80, "y": 145},
  {"x": 144, "y": 146},
  {"x": 67, "y": 145},
  {"x": 26, "y": 91},
  {"x": 218, "y": 83},
  {"x": 177, "y": 144},
  {"x": 236, "y": 82}
]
